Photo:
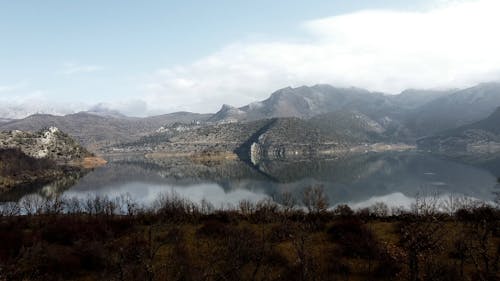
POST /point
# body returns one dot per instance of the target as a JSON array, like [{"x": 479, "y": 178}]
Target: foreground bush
[{"x": 99, "y": 238}]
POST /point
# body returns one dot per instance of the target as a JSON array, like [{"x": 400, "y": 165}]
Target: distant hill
[
  {"x": 275, "y": 137},
  {"x": 414, "y": 98},
  {"x": 479, "y": 137},
  {"x": 397, "y": 113},
  {"x": 349, "y": 115},
  {"x": 455, "y": 110},
  {"x": 306, "y": 102},
  {"x": 95, "y": 130}
]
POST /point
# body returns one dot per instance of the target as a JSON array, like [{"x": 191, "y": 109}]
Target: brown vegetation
[
  {"x": 91, "y": 162},
  {"x": 98, "y": 238},
  {"x": 17, "y": 168}
]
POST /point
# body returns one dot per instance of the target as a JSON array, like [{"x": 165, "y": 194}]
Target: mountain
[
  {"x": 395, "y": 113},
  {"x": 103, "y": 111},
  {"x": 476, "y": 138},
  {"x": 455, "y": 110},
  {"x": 274, "y": 138},
  {"x": 414, "y": 98},
  {"x": 413, "y": 112},
  {"x": 229, "y": 114},
  {"x": 348, "y": 114},
  {"x": 95, "y": 130},
  {"x": 306, "y": 102},
  {"x": 352, "y": 126}
]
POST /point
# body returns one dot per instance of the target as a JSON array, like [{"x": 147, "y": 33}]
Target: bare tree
[
  {"x": 420, "y": 238},
  {"x": 287, "y": 201},
  {"x": 379, "y": 209},
  {"x": 31, "y": 204},
  {"x": 315, "y": 199},
  {"x": 426, "y": 204},
  {"x": 10, "y": 209}
]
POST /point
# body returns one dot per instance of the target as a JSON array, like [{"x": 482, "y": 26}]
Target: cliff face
[{"x": 283, "y": 138}]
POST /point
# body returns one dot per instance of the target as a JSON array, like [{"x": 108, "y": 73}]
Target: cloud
[
  {"x": 452, "y": 44},
  {"x": 28, "y": 106},
  {"x": 74, "y": 68},
  {"x": 129, "y": 107},
  {"x": 21, "y": 104}
]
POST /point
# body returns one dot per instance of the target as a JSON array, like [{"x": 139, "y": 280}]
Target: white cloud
[
  {"x": 22, "y": 104},
  {"x": 453, "y": 44},
  {"x": 75, "y": 68},
  {"x": 24, "y": 109}
]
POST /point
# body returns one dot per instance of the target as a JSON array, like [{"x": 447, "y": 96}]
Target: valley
[
  {"x": 315, "y": 123},
  {"x": 301, "y": 120}
]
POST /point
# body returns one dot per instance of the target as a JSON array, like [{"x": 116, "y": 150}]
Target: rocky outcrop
[
  {"x": 228, "y": 114},
  {"x": 28, "y": 159},
  {"x": 50, "y": 143}
]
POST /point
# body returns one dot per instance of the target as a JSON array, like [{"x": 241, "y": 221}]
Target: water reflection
[
  {"x": 359, "y": 180},
  {"x": 146, "y": 194},
  {"x": 47, "y": 190}
]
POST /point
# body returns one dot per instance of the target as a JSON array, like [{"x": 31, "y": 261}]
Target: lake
[{"x": 357, "y": 180}]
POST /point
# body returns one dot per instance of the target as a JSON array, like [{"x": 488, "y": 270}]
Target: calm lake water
[{"x": 393, "y": 178}]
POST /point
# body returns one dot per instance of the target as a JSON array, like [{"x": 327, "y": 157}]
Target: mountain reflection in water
[{"x": 361, "y": 180}]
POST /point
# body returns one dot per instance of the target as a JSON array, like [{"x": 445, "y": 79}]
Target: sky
[{"x": 154, "y": 57}]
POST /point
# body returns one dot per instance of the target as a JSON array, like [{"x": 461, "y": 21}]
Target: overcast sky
[{"x": 152, "y": 57}]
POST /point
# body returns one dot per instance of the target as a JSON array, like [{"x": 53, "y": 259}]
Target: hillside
[
  {"x": 414, "y": 98},
  {"x": 267, "y": 138},
  {"x": 28, "y": 159},
  {"x": 95, "y": 130},
  {"x": 50, "y": 143},
  {"x": 455, "y": 110},
  {"x": 306, "y": 102},
  {"x": 479, "y": 137},
  {"x": 17, "y": 168},
  {"x": 339, "y": 115},
  {"x": 408, "y": 115}
]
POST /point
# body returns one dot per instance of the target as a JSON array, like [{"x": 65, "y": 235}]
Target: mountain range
[
  {"x": 96, "y": 129},
  {"x": 477, "y": 138},
  {"x": 333, "y": 115}
]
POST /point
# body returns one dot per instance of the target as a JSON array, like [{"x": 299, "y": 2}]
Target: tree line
[{"x": 284, "y": 238}]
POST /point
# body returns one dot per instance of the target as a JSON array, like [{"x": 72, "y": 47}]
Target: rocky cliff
[{"x": 49, "y": 143}]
